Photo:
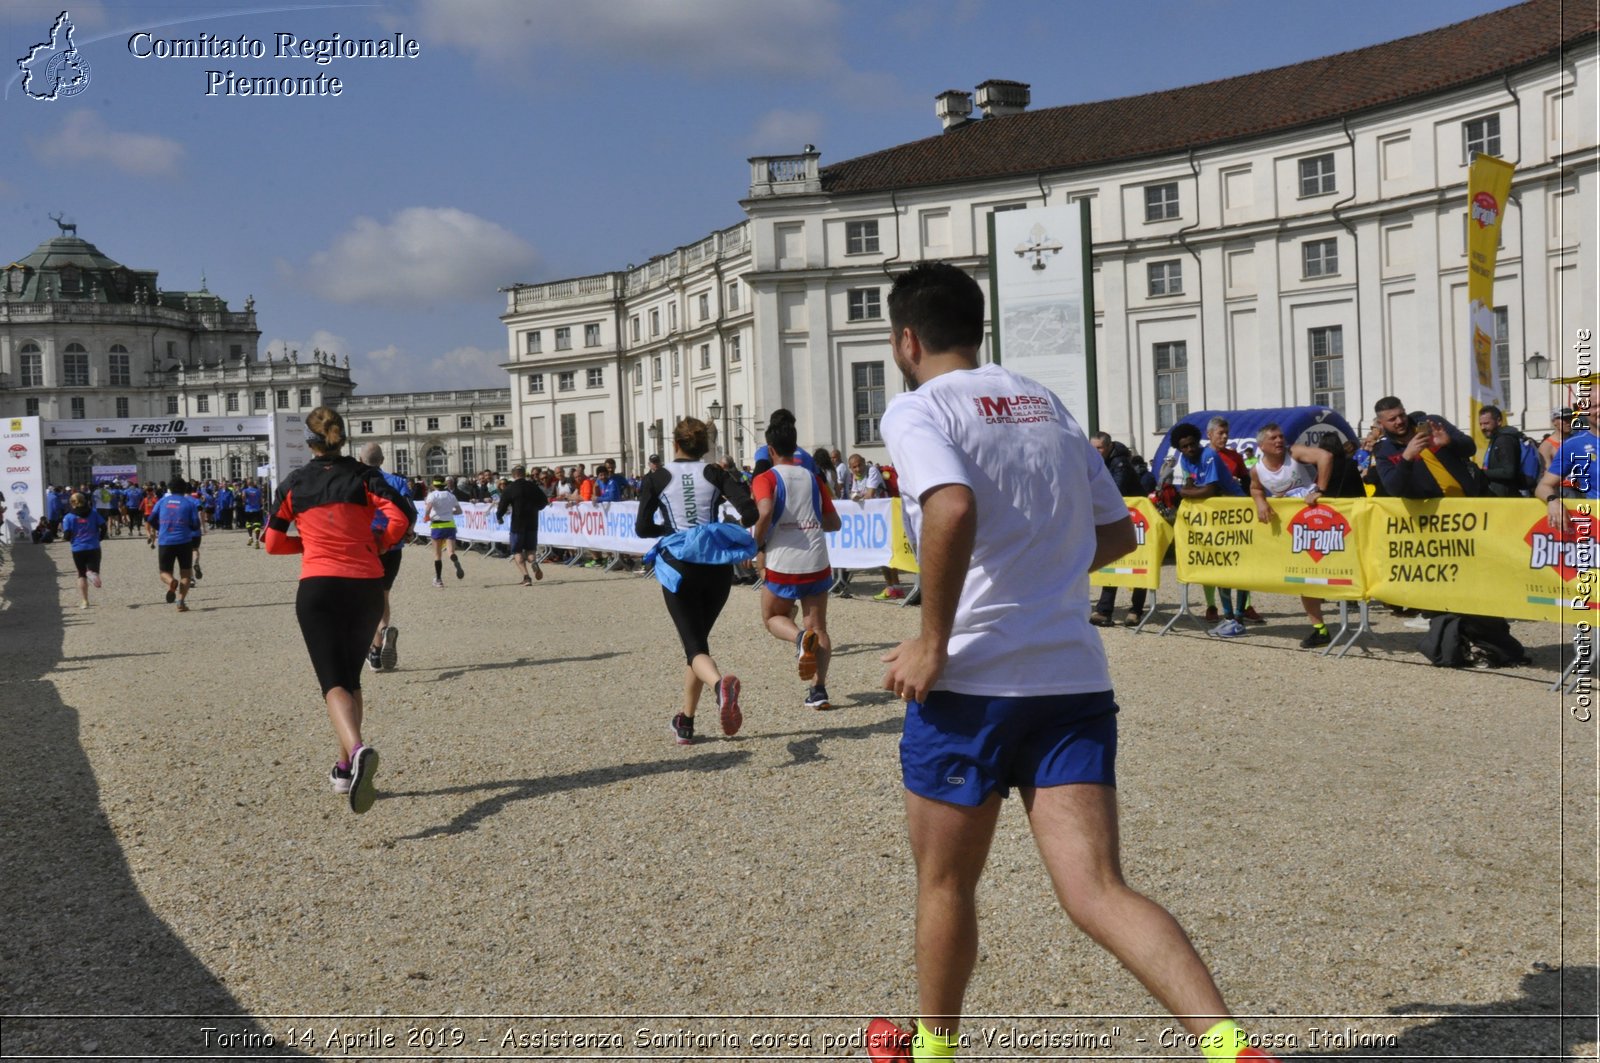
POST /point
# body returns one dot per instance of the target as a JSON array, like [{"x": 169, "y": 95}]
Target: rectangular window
[
  {"x": 1481, "y": 136},
  {"x": 497, "y": 421},
  {"x": 535, "y": 342},
  {"x": 464, "y": 422},
  {"x": 433, "y": 424},
  {"x": 30, "y": 407},
  {"x": 1317, "y": 177},
  {"x": 469, "y": 459},
  {"x": 77, "y": 407},
  {"x": 672, "y": 317},
  {"x": 595, "y": 377},
  {"x": 501, "y": 456},
  {"x": 1327, "y": 366},
  {"x": 121, "y": 374},
  {"x": 236, "y": 351},
  {"x": 172, "y": 405},
  {"x": 1166, "y": 278},
  {"x": 738, "y": 433},
  {"x": 75, "y": 370},
  {"x": 202, "y": 404},
  {"x": 733, "y": 295},
  {"x": 305, "y": 397},
  {"x": 1161, "y": 202},
  {"x": 861, "y": 237},
  {"x": 867, "y": 380},
  {"x": 1319, "y": 258},
  {"x": 677, "y": 362},
  {"x": 638, "y": 374},
  {"x": 591, "y": 335},
  {"x": 864, "y": 304},
  {"x": 233, "y": 402},
  {"x": 735, "y": 349},
  {"x": 398, "y": 425},
  {"x": 1172, "y": 383},
  {"x": 567, "y": 381},
  {"x": 655, "y": 322},
  {"x": 402, "y": 461},
  {"x": 1502, "y": 351},
  {"x": 282, "y": 398},
  {"x": 633, "y": 328},
  {"x": 122, "y": 407},
  {"x": 564, "y": 338},
  {"x": 365, "y": 428},
  {"x": 704, "y": 305},
  {"x": 258, "y": 400},
  {"x": 569, "y": 433},
  {"x": 535, "y": 383},
  {"x": 705, "y": 356},
  {"x": 235, "y": 467},
  {"x": 32, "y": 370},
  {"x": 655, "y": 369},
  {"x": 205, "y": 468}
]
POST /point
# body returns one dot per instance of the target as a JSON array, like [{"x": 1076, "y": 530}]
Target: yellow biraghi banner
[
  {"x": 1488, "y": 186},
  {"x": 902, "y": 555},
  {"x": 1142, "y": 568},
  {"x": 1309, "y": 550},
  {"x": 1489, "y": 556}
]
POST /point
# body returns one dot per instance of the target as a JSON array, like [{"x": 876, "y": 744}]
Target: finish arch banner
[
  {"x": 1141, "y": 568},
  {"x": 1304, "y": 550},
  {"x": 1489, "y": 556}
]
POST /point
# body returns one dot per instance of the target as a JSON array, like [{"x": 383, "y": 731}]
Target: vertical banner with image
[
  {"x": 286, "y": 446},
  {"x": 1488, "y": 188},
  {"x": 1042, "y": 302},
  {"x": 22, "y": 450}
]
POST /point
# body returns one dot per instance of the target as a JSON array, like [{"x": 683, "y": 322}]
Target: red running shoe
[
  {"x": 1251, "y": 615},
  {"x": 888, "y": 1042},
  {"x": 728, "y": 704}
]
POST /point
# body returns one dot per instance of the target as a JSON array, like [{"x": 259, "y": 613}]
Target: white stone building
[
  {"x": 605, "y": 365},
  {"x": 1288, "y": 237},
  {"x": 434, "y": 433},
  {"x": 83, "y": 337}
]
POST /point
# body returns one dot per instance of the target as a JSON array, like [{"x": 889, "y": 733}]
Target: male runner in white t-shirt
[{"x": 1007, "y": 684}]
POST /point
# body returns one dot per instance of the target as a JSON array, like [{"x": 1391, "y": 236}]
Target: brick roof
[{"x": 1319, "y": 90}]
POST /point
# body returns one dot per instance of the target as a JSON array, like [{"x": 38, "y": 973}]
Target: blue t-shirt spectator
[
  {"x": 1574, "y": 463},
  {"x": 178, "y": 520},
  {"x": 1210, "y": 470},
  {"x": 83, "y": 532}
]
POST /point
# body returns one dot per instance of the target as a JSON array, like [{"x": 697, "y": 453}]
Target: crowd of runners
[{"x": 1005, "y": 683}]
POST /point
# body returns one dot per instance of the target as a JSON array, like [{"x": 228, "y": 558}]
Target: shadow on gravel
[
  {"x": 76, "y": 938},
  {"x": 526, "y": 789},
  {"x": 807, "y": 749},
  {"x": 457, "y": 673},
  {"x": 1553, "y": 1017}
]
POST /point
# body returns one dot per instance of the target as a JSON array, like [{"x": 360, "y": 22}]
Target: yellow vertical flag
[{"x": 1488, "y": 187}]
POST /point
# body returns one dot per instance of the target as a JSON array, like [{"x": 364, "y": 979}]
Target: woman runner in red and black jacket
[{"x": 332, "y": 501}]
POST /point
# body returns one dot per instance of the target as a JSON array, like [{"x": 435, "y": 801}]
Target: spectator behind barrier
[
  {"x": 1119, "y": 463},
  {"x": 1512, "y": 469},
  {"x": 1422, "y": 455}
]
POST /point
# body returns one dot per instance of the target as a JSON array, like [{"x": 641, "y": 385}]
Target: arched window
[
  {"x": 75, "y": 366},
  {"x": 438, "y": 461}
]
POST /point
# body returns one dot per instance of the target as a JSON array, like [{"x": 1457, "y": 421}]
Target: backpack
[
  {"x": 1528, "y": 463},
  {"x": 1490, "y": 641},
  {"x": 1443, "y": 645}
]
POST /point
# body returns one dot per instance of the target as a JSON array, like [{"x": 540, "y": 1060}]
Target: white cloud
[
  {"x": 84, "y": 137},
  {"x": 393, "y": 368},
  {"x": 424, "y": 255},
  {"x": 697, "y": 35},
  {"x": 784, "y": 132}
]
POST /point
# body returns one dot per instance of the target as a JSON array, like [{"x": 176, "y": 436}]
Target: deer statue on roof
[{"x": 65, "y": 227}]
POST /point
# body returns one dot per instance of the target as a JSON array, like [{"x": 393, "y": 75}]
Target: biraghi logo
[
  {"x": 18, "y": 452},
  {"x": 1014, "y": 409},
  {"x": 1485, "y": 211},
  {"x": 1141, "y": 526},
  {"x": 1547, "y": 548},
  {"x": 1317, "y": 531}
]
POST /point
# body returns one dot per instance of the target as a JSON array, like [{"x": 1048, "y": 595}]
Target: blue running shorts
[
  {"x": 442, "y": 533},
  {"x": 796, "y": 591},
  {"x": 961, "y": 748}
]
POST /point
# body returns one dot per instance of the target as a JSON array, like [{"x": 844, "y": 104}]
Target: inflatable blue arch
[{"x": 1300, "y": 424}]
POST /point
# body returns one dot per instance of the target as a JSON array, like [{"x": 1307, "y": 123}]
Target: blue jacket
[{"x": 704, "y": 544}]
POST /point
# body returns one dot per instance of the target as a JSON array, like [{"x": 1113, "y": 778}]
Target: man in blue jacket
[{"x": 177, "y": 533}]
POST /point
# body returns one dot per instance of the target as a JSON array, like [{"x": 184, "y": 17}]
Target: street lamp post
[
  {"x": 1534, "y": 367},
  {"x": 714, "y": 411}
]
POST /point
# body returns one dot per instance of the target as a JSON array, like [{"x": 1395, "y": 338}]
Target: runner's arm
[
  {"x": 276, "y": 538},
  {"x": 949, "y": 529},
  {"x": 1112, "y": 541}
]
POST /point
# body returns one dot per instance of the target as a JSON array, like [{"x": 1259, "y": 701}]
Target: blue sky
[{"x": 533, "y": 140}]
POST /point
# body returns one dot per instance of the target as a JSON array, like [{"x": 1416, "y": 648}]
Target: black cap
[{"x": 655, "y": 459}]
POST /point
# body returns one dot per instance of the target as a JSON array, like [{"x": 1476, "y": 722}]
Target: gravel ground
[{"x": 1378, "y": 858}]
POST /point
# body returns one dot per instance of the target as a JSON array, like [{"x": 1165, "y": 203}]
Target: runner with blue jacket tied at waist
[
  {"x": 694, "y": 562},
  {"x": 384, "y": 653}
]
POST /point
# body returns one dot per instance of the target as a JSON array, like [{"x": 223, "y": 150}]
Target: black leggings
[
  {"x": 337, "y": 618},
  {"x": 696, "y": 604}
]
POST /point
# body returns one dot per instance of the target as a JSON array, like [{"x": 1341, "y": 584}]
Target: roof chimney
[
  {"x": 954, "y": 108},
  {"x": 999, "y": 98}
]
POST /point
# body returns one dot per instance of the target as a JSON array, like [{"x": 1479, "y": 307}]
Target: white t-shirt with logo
[
  {"x": 445, "y": 506},
  {"x": 1022, "y": 623}
]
